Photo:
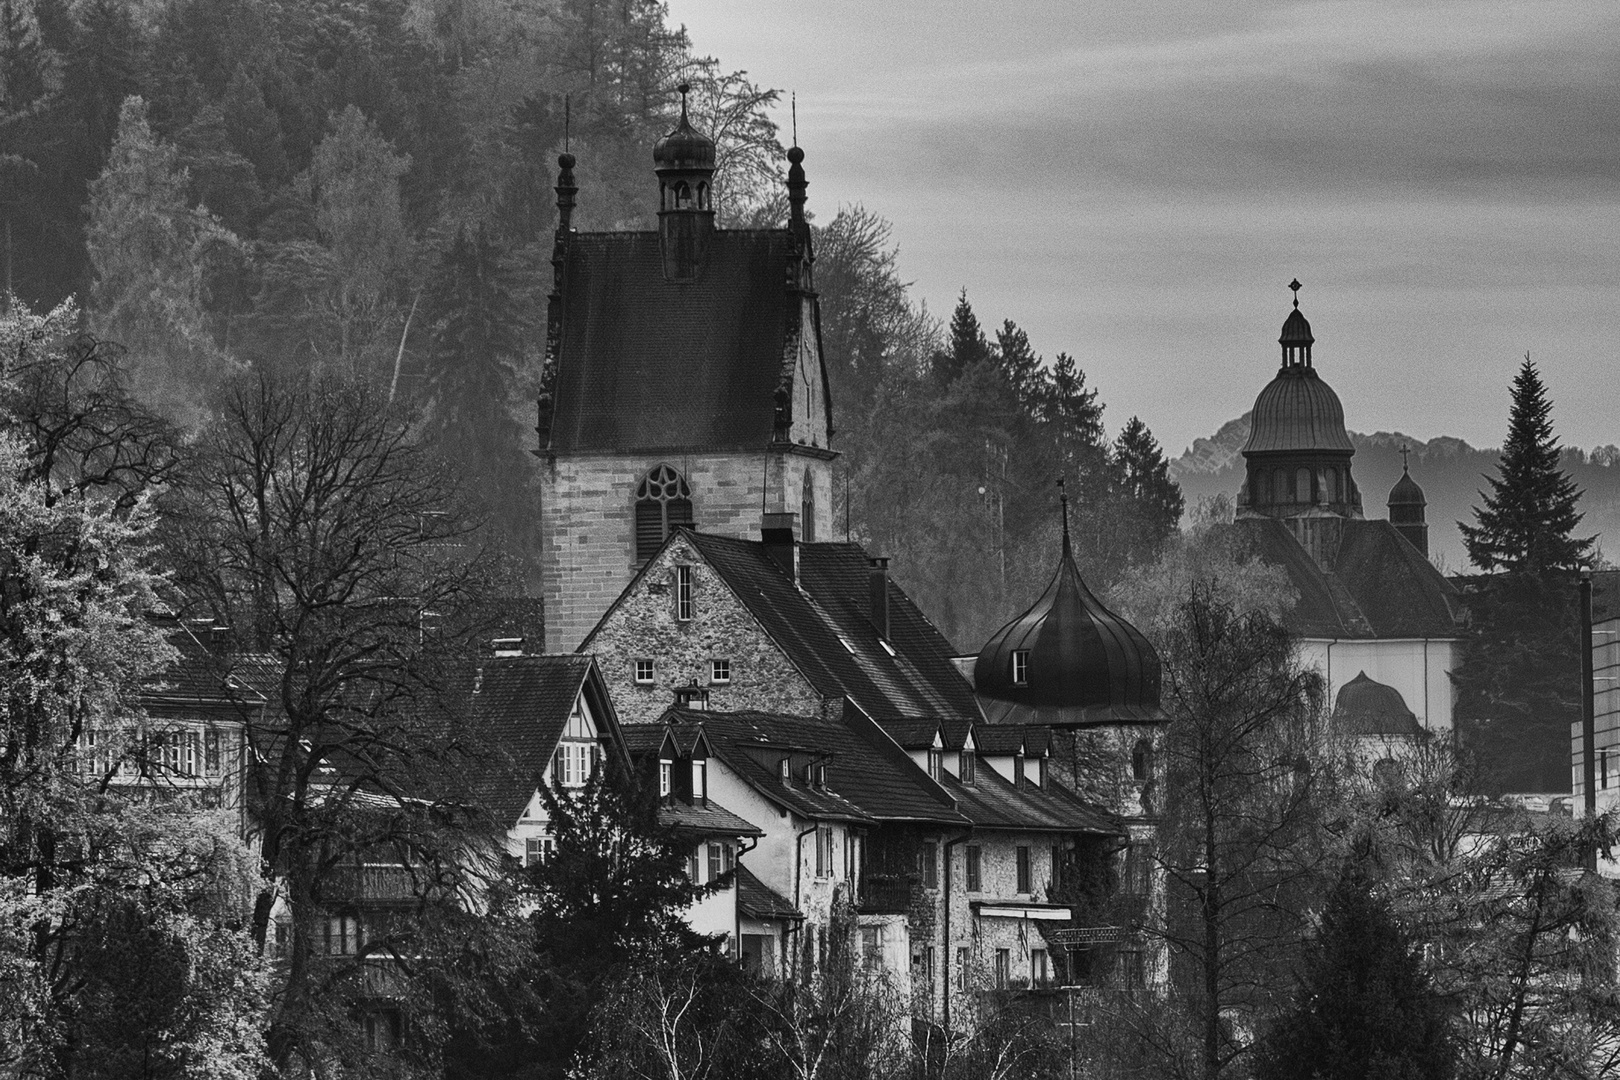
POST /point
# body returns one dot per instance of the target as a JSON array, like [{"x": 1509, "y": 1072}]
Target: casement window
[
  {"x": 663, "y": 504},
  {"x": 717, "y": 860},
  {"x": 1020, "y": 667},
  {"x": 342, "y": 935},
  {"x": 573, "y": 763},
  {"x": 700, "y": 778},
  {"x": 666, "y": 777},
  {"x": 1003, "y": 968},
  {"x": 928, "y": 864},
  {"x": 213, "y": 752},
  {"x": 961, "y": 967},
  {"x": 786, "y": 769},
  {"x": 683, "y": 593},
  {"x": 1039, "y": 972},
  {"x": 692, "y": 867},
  {"x": 1024, "y": 882},
  {"x": 936, "y": 761},
  {"x": 871, "y": 946},
  {"x": 283, "y": 939},
  {"x": 644, "y": 671},
  {"x": 824, "y": 851},
  {"x": 975, "y": 867},
  {"x": 537, "y": 849},
  {"x": 968, "y": 766},
  {"x": 719, "y": 671}
]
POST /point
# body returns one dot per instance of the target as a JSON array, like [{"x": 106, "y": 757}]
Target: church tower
[
  {"x": 1406, "y": 510},
  {"x": 683, "y": 385},
  {"x": 1298, "y": 453}
]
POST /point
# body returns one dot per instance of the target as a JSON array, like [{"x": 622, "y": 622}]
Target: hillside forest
[{"x": 363, "y": 188}]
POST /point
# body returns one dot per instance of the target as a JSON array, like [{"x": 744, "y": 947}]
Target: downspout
[
  {"x": 798, "y": 873},
  {"x": 945, "y": 958},
  {"x": 736, "y": 909},
  {"x": 1426, "y": 718},
  {"x": 1588, "y": 719}
]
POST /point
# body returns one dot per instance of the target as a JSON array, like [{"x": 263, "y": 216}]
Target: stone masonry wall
[
  {"x": 644, "y": 627},
  {"x": 587, "y": 517}
]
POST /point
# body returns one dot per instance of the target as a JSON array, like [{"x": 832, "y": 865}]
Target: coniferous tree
[
  {"x": 966, "y": 346},
  {"x": 1143, "y": 481},
  {"x": 1528, "y": 519},
  {"x": 1367, "y": 1010}
]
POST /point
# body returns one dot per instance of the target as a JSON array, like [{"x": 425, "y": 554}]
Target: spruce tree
[
  {"x": 1530, "y": 515},
  {"x": 967, "y": 346},
  {"x": 1367, "y": 1010},
  {"x": 1142, "y": 479}
]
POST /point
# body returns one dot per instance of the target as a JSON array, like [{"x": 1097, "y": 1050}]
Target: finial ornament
[
  {"x": 1063, "y": 500},
  {"x": 568, "y": 118},
  {"x": 684, "y": 88},
  {"x": 1295, "y": 285},
  {"x": 794, "y": 106},
  {"x": 1404, "y": 451}
]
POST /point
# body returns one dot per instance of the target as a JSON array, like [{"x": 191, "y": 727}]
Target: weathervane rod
[
  {"x": 793, "y": 100},
  {"x": 568, "y": 117}
]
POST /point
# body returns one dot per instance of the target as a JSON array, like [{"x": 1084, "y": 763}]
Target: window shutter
[
  {"x": 680, "y": 513},
  {"x": 649, "y": 527}
]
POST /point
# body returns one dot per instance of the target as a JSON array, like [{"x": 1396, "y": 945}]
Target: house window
[
  {"x": 1003, "y": 968},
  {"x": 692, "y": 867},
  {"x": 537, "y": 849},
  {"x": 1039, "y": 973},
  {"x": 716, "y": 861},
  {"x": 212, "y": 752},
  {"x": 644, "y": 671},
  {"x": 1020, "y": 667},
  {"x": 968, "y": 766},
  {"x": 700, "y": 776},
  {"x": 961, "y": 967},
  {"x": 283, "y": 938},
  {"x": 928, "y": 864},
  {"x": 935, "y": 761},
  {"x": 572, "y": 765},
  {"x": 1138, "y": 870},
  {"x": 824, "y": 851},
  {"x": 666, "y": 777},
  {"x": 871, "y": 945},
  {"x": 975, "y": 867},
  {"x": 1023, "y": 869},
  {"x": 683, "y": 593},
  {"x": 785, "y": 769},
  {"x": 928, "y": 965},
  {"x": 663, "y": 504},
  {"x": 719, "y": 671}
]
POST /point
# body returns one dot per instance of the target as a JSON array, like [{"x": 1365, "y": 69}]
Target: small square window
[
  {"x": 1020, "y": 667},
  {"x": 644, "y": 671},
  {"x": 719, "y": 671}
]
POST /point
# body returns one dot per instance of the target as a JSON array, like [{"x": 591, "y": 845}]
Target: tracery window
[
  {"x": 663, "y": 503},
  {"x": 807, "y": 509}
]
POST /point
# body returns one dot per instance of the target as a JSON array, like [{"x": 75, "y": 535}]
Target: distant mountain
[{"x": 1451, "y": 473}]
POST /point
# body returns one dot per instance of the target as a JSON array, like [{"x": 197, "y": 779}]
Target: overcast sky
[{"x": 1136, "y": 181}]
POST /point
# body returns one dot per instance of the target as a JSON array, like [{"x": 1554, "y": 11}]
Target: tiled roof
[
  {"x": 813, "y": 623},
  {"x": 868, "y": 776},
  {"x": 758, "y": 900},
  {"x": 1380, "y": 586},
  {"x": 647, "y": 364},
  {"x": 913, "y": 734},
  {"x": 204, "y": 672},
  {"x": 993, "y": 802},
  {"x": 521, "y": 708},
  {"x": 1001, "y": 739},
  {"x": 706, "y": 819}
]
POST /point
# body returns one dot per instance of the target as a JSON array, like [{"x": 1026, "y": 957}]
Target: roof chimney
[
  {"x": 878, "y": 580},
  {"x": 692, "y": 696},
  {"x": 780, "y": 534}
]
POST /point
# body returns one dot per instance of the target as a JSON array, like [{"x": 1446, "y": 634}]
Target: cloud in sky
[{"x": 1135, "y": 183}]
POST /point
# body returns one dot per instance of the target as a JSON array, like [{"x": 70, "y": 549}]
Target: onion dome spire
[
  {"x": 684, "y": 162},
  {"x": 1068, "y": 660},
  {"x": 1407, "y": 508},
  {"x": 1296, "y": 339}
]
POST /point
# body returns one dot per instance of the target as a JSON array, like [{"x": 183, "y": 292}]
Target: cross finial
[
  {"x": 1296, "y": 287},
  {"x": 1063, "y": 501},
  {"x": 794, "y": 106},
  {"x": 1404, "y": 451}
]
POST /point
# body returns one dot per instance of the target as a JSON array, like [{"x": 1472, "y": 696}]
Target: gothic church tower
[{"x": 683, "y": 385}]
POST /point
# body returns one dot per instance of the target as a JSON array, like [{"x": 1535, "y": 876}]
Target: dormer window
[
  {"x": 1039, "y": 777},
  {"x": 967, "y": 766},
  {"x": 821, "y": 777},
  {"x": 700, "y": 780},
  {"x": 1020, "y": 667},
  {"x": 666, "y": 777},
  {"x": 786, "y": 770},
  {"x": 936, "y": 763},
  {"x": 1018, "y": 770}
]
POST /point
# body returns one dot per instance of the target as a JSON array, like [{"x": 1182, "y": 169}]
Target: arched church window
[
  {"x": 1330, "y": 477},
  {"x": 1302, "y": 486},
  {"x": 663, "y": 503},
  {"x": 683, "y": 195},
  {"x": 703, "y": 196},
  {"x": 807, "y": 509},
  {"x": 1142, "y": 760}
]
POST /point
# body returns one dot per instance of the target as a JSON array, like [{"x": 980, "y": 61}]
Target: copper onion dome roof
[
  {"x": 1296, "y": 330},
  {"x": 1297, "y": 410},
  {"x": 1365, "y": 707},
  {"x": 1406, "y": 492},
  {"x": 1083, "y": 663},
  {"x": 685, "y": 147}
]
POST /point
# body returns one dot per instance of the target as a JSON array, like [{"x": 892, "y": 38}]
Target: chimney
[
  {"x": 878, "y": 579},
  {"x": 780, "y": 533},
  {"x": 507, "y": 646}
]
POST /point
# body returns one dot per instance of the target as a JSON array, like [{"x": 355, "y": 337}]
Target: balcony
[{"x": 885, "y": 894}]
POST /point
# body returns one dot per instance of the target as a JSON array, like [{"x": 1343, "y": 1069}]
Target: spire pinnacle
[
  {"x": 1296, "y": 286},
  {"x": 1063, "y": 501},
  {"x": 1404, "y": 451},
  {"x": 684, "y": 88}
]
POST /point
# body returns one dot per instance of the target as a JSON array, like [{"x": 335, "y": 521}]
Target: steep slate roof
[
  {"x": 832, "y": 603},
  {"x": 205, "y": 673},
  {"x": 707, "y": 819},
  {"x": 521, "y": 707},
  {"x": 992, "y": 801},
  {"x": 645, "y": 364},
  {"x": 1380, "y": 586},
  {"x": 869, "y": 778},
  {"x": 758, "y": 900}
]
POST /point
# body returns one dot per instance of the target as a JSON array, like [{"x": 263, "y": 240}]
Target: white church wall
[{"x": 1416, "y": 667}]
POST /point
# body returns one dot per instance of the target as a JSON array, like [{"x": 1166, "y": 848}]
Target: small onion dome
[
  {"x": 1365, "y": 707},
  {"x": 1406, "y": 492},
  {"x": 1068, "y": 661},
  {"x": 1297, "y": 411},
  {"x": 1296, "y": 330},
  {"x": 685, "y": 147}
]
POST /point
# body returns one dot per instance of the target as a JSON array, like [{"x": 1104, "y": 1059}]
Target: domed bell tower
[
  {"x": 1407, "y": 509},
  {"x": 684, "y": 162}
]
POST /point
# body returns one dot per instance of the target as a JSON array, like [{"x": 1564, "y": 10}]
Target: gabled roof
[
  {"x": 206, "y": 670},
  {"x": 812, "y": 623},
  {"x": 646, "y": 364},
  {"x": 992, "y": 801},
  {"x": 869, "y": 778},
  {"x": 999, "y": 740},
  {"x": 1379, "y": 586},
  {"x": 758, "y": 900},
  {"x": 705, "y": 819},
  {"x": 520, "y": 707}
]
